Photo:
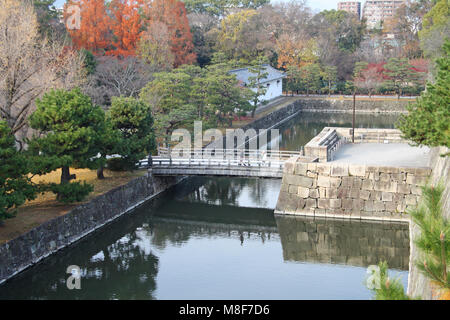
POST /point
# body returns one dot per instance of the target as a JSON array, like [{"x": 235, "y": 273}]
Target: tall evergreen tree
[
  {"x": 15, "y": 185},
  {"x": 428, "y": 120}
]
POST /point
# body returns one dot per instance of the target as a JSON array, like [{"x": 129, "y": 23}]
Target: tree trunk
[
  {"x": 329, "y": 88},
  {"x": 65, "y": 175},
  {"x": 100, "y": 174}
]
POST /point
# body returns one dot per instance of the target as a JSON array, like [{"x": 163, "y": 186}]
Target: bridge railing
[
  {"x": 163, "y": 162},
  {"x": 211, "y": 153}
]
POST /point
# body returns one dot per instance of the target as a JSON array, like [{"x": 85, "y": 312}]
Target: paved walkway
[{"x": 392, "y": 154}]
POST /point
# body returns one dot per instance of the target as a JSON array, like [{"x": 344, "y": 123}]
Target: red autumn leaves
[{"x": 117, "y": 28}]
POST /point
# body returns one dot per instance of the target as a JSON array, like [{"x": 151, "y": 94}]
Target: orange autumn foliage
[
  {"x": 93, "y": 31},
  {"x": 126, "y": 27},
  {"x": 173, "y": 14}
]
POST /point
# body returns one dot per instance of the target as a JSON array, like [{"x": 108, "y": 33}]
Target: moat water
[{"x": 217, "y": 238}]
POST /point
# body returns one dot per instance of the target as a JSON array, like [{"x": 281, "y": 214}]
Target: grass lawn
[{"x": 45, "y": 207}]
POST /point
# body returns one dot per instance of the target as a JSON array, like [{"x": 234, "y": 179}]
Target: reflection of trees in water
[
  {"x": 122, "y": 268},
  {"x": 226, "y": 191},
  {"x": 218, "y": 191},
  {"x": 302, "y": 128}
]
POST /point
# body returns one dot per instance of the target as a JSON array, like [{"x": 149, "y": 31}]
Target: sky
[{"x": 314, "y": 4}]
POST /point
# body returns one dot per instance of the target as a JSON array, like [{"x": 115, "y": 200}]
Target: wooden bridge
[{"x": 223, "y": 162}]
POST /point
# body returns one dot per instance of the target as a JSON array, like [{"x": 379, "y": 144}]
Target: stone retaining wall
[
  {"x": 349, "y": 190},
  {"x": 362, "y": 106},
  {"x": 418, "y": 284},
  {"x": 53, "y": 235}
]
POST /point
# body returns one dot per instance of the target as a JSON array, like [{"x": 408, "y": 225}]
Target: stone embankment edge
[{"x": 156, "y": 190}]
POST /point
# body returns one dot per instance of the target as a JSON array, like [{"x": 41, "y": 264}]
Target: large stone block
[
  {"x": 311, "y": 204},
  {"x": 411, "y": 199},
  {"x": 416, "y": 180},
  {"x": 293, "y": 189},
  {"x": 343, "y": 192},
  {"x": 305, "y": 181},
  {"x": 312, "y": 174},
  {"x": 314, "y": 193},
  {"x": 357, "y": 182},
  {"x": 368, "y": 206},
  {"x": 354, "y": 193},
  {"x": 347, "y": 182},
  {"x": 424, "y": 172},
  {"x": 301, "y": 168},
  {"x": 378, "y": 206},
  {"x": 312, "y": 166},
  {"x": 339, "y": 170},
  {"x": 335, "y": 203},
  {"x": 347, "y": 204},
  {"x": 386, "y": 196},
  {"x": 389, "y": 169},
  {"x": 357, "y": 205},
  {"x": 364, "y": 194},
  {"x": 323, "y": 169},
  {"x": 322, "y": 192},
  {"x": 367, "y": 184},
  {"x": 289, "y": 165},
  {"x": 331, "y": 193},
  {"x": 323, "y": 203},
  {"x": 416, "y": 190},
  {"x": 357, "y": 170},
  {"x": 391, "y": 206},
  {"x": 385, "y": 186},
  {"x": 335, "y": 182},
  {"x": 385, "y": 177},
  {"x": 403, "y": 188},
  {"x": 323, "y": 181},
  {"x": 375, "y": 195},
  {"x": 303, "y": 192}
]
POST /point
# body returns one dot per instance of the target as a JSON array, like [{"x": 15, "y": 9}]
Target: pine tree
[
  {"x": 428, "y": 120},
  {"x": 400, "y": 74},
  {"x": 434, "y": 239},
  {"x": 15, "y": 186},
  {"x": 71, "y": 128}
]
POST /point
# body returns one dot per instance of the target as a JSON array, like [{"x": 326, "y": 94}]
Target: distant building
[
  {"x": 350, "y": 6},
  {"x": 273, "y": 81},
  {"x": 377, "y": 11}
]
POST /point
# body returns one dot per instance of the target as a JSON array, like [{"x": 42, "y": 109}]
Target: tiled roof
[{"x": 243, "y": 74}]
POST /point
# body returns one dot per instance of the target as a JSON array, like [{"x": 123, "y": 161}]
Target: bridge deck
[
  {"x": 233, "y": 162},
  {"x": 218, "y": 167}
]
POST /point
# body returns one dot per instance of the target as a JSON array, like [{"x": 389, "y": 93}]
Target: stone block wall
[
  {"x": 362, "y": 106},
  {"x": 349, "y": 190},
  {"x": 53, "y": 235},
  {"x": 418, "y": 284}
]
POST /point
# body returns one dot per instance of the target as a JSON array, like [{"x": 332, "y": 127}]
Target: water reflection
[
  {"x": 217, "y": 238},
  {"x": 299, "y": 130},
  {"x": 186, "y": 247}
]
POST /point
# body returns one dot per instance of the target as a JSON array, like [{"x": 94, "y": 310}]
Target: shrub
[{"x": 71, "y": 192}]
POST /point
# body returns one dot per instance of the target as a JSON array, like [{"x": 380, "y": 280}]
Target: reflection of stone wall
[
  {"x": 349, "y": 190},
  {"x": 53, "y": 235},
  {"x": 353, "y": 243}
]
